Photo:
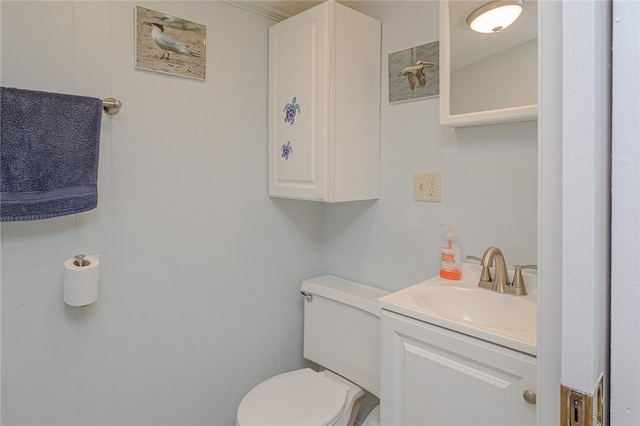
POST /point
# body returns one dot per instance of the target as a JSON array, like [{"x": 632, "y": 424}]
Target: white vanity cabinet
[
  {"x": 324, "y": 105},
  {"x": 434, "y": 376}
]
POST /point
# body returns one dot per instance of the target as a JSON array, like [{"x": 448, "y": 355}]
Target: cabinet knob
[{"x": 529, "y": 396}]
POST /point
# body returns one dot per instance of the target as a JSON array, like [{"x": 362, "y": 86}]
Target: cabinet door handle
[{"x": 529, "y": 396}]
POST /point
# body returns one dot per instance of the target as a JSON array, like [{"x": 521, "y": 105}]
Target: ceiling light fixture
[{"x": 495, "y": 16}]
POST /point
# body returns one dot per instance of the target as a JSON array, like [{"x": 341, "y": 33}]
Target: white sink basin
[
  {"x": 462, "y": 306},
  {"x": 480, "y": 306}
]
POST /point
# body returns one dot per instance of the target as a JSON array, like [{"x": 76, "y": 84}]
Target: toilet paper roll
[{"x": 81, "y": 282}]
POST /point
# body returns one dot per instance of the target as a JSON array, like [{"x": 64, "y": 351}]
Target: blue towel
[{"x": 49, "y": 148}]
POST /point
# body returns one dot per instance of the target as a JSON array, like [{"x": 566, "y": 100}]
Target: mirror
[{"x": 487, "y": 78}]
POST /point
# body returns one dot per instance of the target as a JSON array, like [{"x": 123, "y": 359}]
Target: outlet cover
[{"x": 426, "y": 187}]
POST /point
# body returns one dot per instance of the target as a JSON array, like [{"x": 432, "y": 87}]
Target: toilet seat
[{"x": 300, "y": 397}]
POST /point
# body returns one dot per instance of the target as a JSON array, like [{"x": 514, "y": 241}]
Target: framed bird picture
[
  {"x": 171, "y": 45},
  {"x": 414, "y": 73}
]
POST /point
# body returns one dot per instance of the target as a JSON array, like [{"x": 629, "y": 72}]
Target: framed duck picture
[
  {"x": 171, "y": 45},
  {"x": 414, "y": 73}
]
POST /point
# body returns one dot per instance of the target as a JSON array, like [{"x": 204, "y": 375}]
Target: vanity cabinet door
[
  {"x": 433, "y": 376},
  {"x": 324, "y": 105}
]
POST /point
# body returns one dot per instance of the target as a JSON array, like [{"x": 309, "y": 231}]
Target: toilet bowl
[
  {"x": 341, "y": 334},
  {"x": 301, "y": 397}
]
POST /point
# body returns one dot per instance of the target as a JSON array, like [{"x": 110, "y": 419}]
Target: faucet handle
[
  {"x": 518, "y": 287},
  {"x": 485, "y": 277}
]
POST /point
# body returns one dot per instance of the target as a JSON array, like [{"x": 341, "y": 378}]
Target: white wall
[
  {"x": 489, "y": 180},
  {"x": 183, "y": 186},
  {"x": 199, "y": 295}
]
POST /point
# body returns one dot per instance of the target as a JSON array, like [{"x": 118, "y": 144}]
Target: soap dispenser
[{"x": 450, "y": 263}]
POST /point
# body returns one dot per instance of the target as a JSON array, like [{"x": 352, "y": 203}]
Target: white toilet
[{"x": 341, "y": 334}]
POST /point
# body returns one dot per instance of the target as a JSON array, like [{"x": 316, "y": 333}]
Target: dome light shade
[{"x": 495, "y": 16}]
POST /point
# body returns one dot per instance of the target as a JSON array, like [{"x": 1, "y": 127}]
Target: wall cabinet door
[
  {"x": 435, "y": 377},
  {"x": 324, "y": 105}
]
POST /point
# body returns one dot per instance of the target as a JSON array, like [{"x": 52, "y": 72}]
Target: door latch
[{"x": 576, "y": 408}]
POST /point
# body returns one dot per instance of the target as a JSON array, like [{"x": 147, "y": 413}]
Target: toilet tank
[{"x": 342, "y": 329}]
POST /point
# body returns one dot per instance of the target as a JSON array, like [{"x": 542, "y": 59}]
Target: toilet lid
[{"x": 301, "y": 397}]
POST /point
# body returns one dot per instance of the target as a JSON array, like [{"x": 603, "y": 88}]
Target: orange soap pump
[{"x": 450, "y": 264}]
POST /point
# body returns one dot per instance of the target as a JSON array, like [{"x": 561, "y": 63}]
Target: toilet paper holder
[{"x": 80, "y": 261}]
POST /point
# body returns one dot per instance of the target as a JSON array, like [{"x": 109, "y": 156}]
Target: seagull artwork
[
  {"x": 416, "y": 73},
  {"x": 166, "y": 43}
]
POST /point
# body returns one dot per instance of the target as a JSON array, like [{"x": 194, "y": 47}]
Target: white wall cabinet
[
  {"x": 434, "y": 376},
  {"x": 324, "y": 105}
]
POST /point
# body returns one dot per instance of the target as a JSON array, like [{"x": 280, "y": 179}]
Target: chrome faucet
[
  {"x": 501, "y": 284},
  {"x": 501, "y": 281}
]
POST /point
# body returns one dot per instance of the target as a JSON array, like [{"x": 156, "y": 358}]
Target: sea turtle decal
[
  {"x": 290, "y": 111},
  {"x": 286, "y": 150}
]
